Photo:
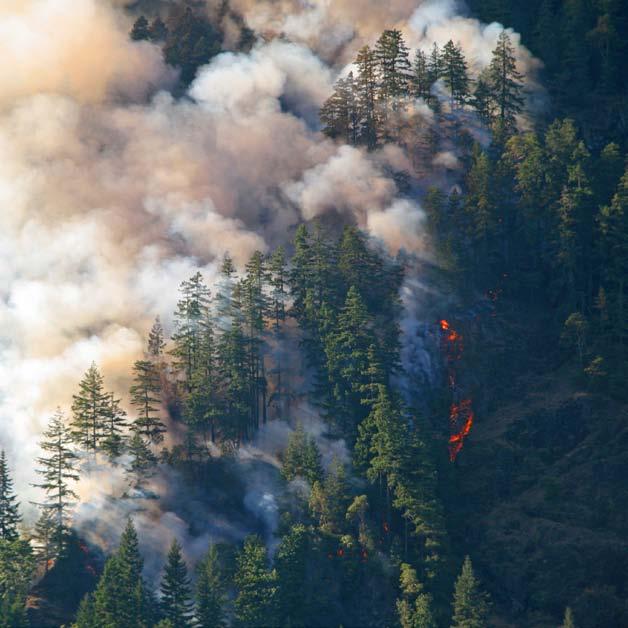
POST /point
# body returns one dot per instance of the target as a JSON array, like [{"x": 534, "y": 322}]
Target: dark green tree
[
  {"x": 9, "y": 514},
  {"x": 291, "y": 564},
  {"x": 257, "y": 600},
  {"x": 17, "y": 568},
  {"x": 471, "y": 604},
  {"x": 454, "y": 68},
  {"x": 414, "y": 606},
  {"x": 176, "y": 599},
  {"x": 301, "y": 457},
  {"x": 156, "y": 341},
  {"x": 113, "y": 442},
  {"x": 57, "y": 468},
  {"x": 90, "y": 411},
  {"x": 210, "y": 597},
  {"x": 506, "y": 85},
  {"x": 140, "y": 30},
  {"x": 146, "y": 398}
]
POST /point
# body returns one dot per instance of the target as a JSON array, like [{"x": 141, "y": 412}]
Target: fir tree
[
  {"x": 482, "y": 99},
  {"x": 568, "y": 621},
  {"x": 454, "y": 69},
  {"x": 142, "y": 459},
  {"x": 301, "y": 457},
  {"x": 146, "y": 397},
  {"x": 121, "y": 597},
  {"x": 420, "y": 82},
  {"x": 58, "y": 470},
  {"x": 291, "y": 562},
  {"x": 471, "y": 604},
  {"x": 176, "y": 602},
  {"x": 43, "y": 537},
  {"x": 90, "y": 411},
  {"x": 414, "y": 607},
  {"x": 366, "y": 93},
  {"x": 140, "y": 30},
  {"x": 506, "y": 85},
  {"x": 16, "y": 572},
  {"x": 210, "y": 598},
  {"x": 113, "y": 442},
  {"x": 257, "y": 599},
  {"x": 156, "y": 341},
  {"x": 9, "y": 514}
]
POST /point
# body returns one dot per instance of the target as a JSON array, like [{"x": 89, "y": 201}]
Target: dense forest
[{"x": 488, "y": 492}]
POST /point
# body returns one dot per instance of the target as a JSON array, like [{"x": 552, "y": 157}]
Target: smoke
[{"x": 113, "y": 192}]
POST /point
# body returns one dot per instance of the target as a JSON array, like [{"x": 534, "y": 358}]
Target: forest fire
[{"x": 461, "y": 415}]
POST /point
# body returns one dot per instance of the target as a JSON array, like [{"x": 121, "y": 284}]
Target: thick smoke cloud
[{"x": 112, "y": 192}]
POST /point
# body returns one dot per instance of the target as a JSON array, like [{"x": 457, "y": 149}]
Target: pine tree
[
  {"x": 176, "y": 602},
  {"x": 113, "y": 442},
  {"x": 210, "y": 598},
  {"x": 278, "y": 302},
  {"x": 434, "y": 68},
  {"x": 340, "y": 113},
  {"x": 90, "y": 411},
  {"x": 142, "y": 459},
  {"x": 189, "y": 317},
  {"x": 471, "y": 604},
  {"x": 9, "y": 514},
  {"x": 568, "y": 621},
  {"x": 301, "y": 457},
  {"x": 146, "y": 397},
  {"x": 482, "y": 99},
  {"x": 506, "y": 85},
  {"x": 420, "y": 82},
  {"x": 58, "y": 469},
  {"x": 16, "y": 572},
  {"x": 257, "y": 599},
  {"x": 454, "y": 69},
  {"x": 414, "y": 607},
  {"x": 366, "y": 93},
  {"x": 121, "y": 597},
  {"x": 140, "y": 30},
  {"x": 43, "y": 537},
  {"x": 156, "y": 341},
  {"x": 291, "y": 562}
]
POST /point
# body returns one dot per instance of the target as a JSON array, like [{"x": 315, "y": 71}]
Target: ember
[{"x": 461, "y": 414}]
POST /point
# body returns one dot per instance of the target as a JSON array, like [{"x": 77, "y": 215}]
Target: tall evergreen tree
[
  {"x": 90, "y": 411},
  {"x": 210, "y": 598},
  {"x": 43, "y": 537},
  {"x": 506, "y": 85},
  {"x": 454, "y": 68},
  {"x": 9, "y": 513},
  {"x": 121, "y": 598},
  {"x": 156, "y": 340},
  {"x": 257, "y": 599},
  {"x": 146, "y": 398},
  {"x": 58, "y": 471},
  {"x": 291, "y": 562},
  {"x": 414, "y": 606},
  {"x": 471, "y": 604},
  {"x": 176, "y": 600},
  {"x": 366, "y": 93},
  {"x": 190, "y": 314},
  {"x": 113, "y": 441},
  {"x": 16, "y": 572},
  {"x": 420, "y": 81}
]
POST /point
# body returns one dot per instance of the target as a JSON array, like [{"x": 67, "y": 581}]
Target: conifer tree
[
  {"x": 366, "y": 93},
  {"x": 156, "y": 341},
  {"x": 113, "y": 441},
  {"x": 146, "y": 398},
  {"x": 257, "y": 599},
  {"x": 340, "y": 113},
  {"x": 121, "y": 597},
  {"x": 16, "y": 571},
  {"x": 420, "y": 82},
  {"x": 482, "y": 99},
  {"x": 414, "y": 607},
  {"x": 301, "y": 457},
  {"x": 176, "y": 601},
  {"x": 435, "y": 65},
  {"x": 278, "y": 302},
  {"x": 391, "y": 55},
  {"x": 142, "y": 459},
  {"x": 293, "y": 587},
  {"x": 9, "y": 514},
  {"x": 43, "y": 537},
  {"x": 568, "y": 621},
  {"x": 58, "y": 470},
  {"x": 90, "y": 411},
  {"x": 210, "y": 596},
  {"x": 454, "y": 69},
  {"x": 506, "y": 85},
  {"x": 471, "y": 604},
  {"x": 140, "y": 30},
  {"x": 191, "y": 312}
]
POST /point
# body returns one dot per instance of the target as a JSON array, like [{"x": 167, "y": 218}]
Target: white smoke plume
[{"x": 112, "y": 191}]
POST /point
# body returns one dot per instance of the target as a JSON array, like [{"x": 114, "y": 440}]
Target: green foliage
[
  {"x": 210, "y": 597},
  {"x": 257, "y": 600},
  {"x": 146, "y": 398},
  {"x": 471, "y": 604},
  {"x": 568, "y": 621},
  {"x": 17, "y": 567},
  {"x": 301, "y": 457},
  {"x": 9, "y": 514},
  {"x": 90, "y": 411},
  {"x": 414, "y": 606},
  {"x": 176, "y": 601},
  {"x": 58, "y": 471}
]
